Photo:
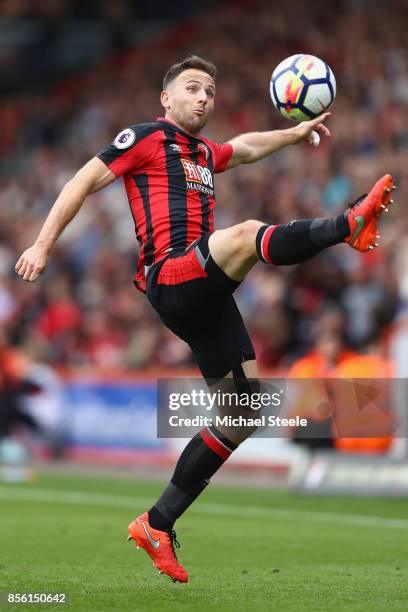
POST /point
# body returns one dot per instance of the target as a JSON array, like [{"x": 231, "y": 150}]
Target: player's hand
[
  {"x": 303, "y": 131},
  {"x": 32, "y": 263}
]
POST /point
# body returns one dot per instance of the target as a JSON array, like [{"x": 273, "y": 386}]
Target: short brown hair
[{"x": 193, "y": 61}]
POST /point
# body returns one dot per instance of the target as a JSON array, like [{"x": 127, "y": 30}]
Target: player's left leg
[{"x": 237, "y": 249}]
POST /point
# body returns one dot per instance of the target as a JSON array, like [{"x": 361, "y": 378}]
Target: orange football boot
[
  {"x": 159, "y": 545},
  {"x": 364, "y": 212}
]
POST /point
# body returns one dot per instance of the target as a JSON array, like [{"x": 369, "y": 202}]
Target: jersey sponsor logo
[
  {"x": 199, "y": 187},
  {"x": 125, "y": 139},
  {"x": 197, "y": 174}
]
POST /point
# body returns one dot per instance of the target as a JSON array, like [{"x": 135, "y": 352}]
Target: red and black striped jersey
[{"x": 169, "y": 181}]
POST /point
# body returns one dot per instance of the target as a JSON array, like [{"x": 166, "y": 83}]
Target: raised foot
[{"x": 364, "y": 213}]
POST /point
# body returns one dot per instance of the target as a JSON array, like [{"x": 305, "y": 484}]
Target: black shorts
[{"x": 193, "y": 297}]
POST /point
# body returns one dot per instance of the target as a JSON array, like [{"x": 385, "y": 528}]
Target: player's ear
[{"x": 165, "y": 99}]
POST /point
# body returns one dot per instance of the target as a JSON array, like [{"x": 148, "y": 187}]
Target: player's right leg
[
  {"x": 242, "y": 381},
  {"x": 237, "y": 249},
  {"x": 202, "y": 311},
  {"x": 203, "y": 456}
]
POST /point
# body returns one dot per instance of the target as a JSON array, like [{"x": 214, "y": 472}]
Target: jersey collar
[{"x": 179, "y": 129}]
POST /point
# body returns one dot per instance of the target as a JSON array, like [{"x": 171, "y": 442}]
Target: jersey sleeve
[
  {"x": 221, "y": 154},
  {"x": 130, "y": 149}
]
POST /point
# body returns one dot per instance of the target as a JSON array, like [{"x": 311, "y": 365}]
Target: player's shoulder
[
  {"x": 132, "y": 134},
  {"x": 150, "y": 126}
]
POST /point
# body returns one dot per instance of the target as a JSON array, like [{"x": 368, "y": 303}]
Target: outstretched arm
[
  {"x": 250, "y": 147},
  {"x": 90, "y": 178}
]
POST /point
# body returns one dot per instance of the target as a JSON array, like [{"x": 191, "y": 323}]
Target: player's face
[{"x": 189, "y": 100}]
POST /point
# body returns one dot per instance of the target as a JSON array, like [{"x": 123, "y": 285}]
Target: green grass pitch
[{"x": 245, "y": 549}]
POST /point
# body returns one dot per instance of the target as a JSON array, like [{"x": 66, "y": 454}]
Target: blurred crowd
[{"x": 85, "y": 311}]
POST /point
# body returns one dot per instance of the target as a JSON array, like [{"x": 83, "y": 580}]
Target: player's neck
[{"x": 181, "y": 127}]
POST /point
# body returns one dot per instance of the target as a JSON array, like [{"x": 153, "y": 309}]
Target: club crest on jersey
[
  {"x": 125, "y": 139},
  {"x": 204, "y": 148}
]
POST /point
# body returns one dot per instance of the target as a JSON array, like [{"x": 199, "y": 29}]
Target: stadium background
[{"x": 72, "y": 74}]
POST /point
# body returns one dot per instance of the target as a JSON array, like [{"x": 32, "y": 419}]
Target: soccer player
[{"x": 188, "y": 271}]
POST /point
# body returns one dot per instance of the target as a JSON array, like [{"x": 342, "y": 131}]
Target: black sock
[
  {"x": 299, "y": 240},
  {"x": 202, "y": 457}
]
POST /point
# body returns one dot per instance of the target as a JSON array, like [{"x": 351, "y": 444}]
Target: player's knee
[
  {"x": 244, "y": 234},
  {"x": 248, "y": 391}
]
